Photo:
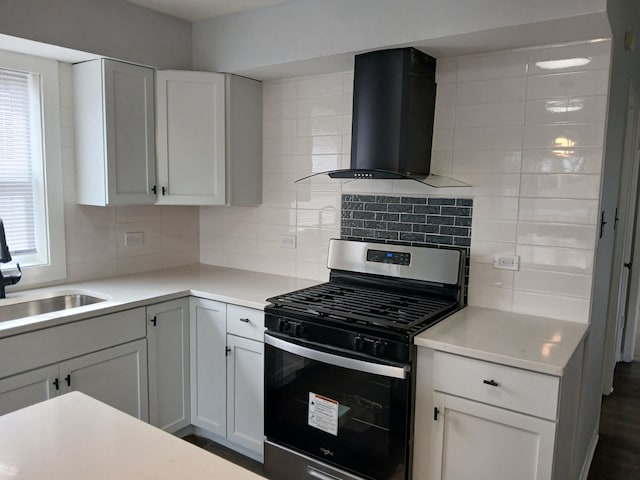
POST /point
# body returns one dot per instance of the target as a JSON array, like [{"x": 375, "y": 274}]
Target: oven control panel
[{"x": 385, "y": 256}]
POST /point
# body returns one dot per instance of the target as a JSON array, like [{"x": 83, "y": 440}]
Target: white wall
[
  {"x": 95, "y": 235},
  {"x": 113, "y": 28},
  {"x": 299, "y": 30},
  {"x": 491, "y": 130}
]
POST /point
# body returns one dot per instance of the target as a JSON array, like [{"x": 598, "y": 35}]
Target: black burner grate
[{"x": 365, "y": 306}]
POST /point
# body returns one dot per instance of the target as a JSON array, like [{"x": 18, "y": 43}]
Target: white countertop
[
  {"x": 534, "y": 343},
  {"x": 240, "y": 287},
  {"x": 74, "y": 437}
]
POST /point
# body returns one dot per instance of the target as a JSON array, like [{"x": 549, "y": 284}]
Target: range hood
[{"x": 394, "y": 95}]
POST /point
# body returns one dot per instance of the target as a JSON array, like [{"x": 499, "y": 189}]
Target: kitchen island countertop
[
  {"x": 74, "y": 437},
  {"x": 525, "y": 341}
]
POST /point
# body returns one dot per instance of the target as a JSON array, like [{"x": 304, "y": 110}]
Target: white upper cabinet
[
  {"x": 115, "y": 133},
  {"x": 209, "y": 139}
]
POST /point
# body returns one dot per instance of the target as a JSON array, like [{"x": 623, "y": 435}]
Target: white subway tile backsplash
[
  {"x": 485, "y": 252},
  {"x": 487, "y": 161},
  {"x": 322, "y": 106},
  {"x": 314, "y": 126},
  {"x": 554, "y": 283},
  {"x": 491, "y": 91},
  {"x": 495, "y": 208},
  {"x": 557, "y": 235},
  {"x": 570, "y": 260},
  {"x": 558, "y": 210},
  {"x": 564, "y": 137},
  {"x": 566, "y": 110},
  {"x": 446, "y": 95},
  {"x": 444, "y": 117},
  {"x": 442, "y": 139},
  {"x": 446, "y": 71},
  {"x": 560, "y": 186},
  {"x": 570, "y": 58},
  {"x": 488, "y": 230},
  {"x": 489, "y": 115},
  {"x": 319, "y": 145},
  {"x": 493, "y": 66},
  {"x": 562, "y": 160},
  {"x": 320, "y": 85},
  {"x": 487, "y": 138},
  {"x": 554, "y": 306},
  {"x": 561, "y": 85}
]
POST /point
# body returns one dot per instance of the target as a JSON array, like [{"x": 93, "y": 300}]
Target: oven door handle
[{"x": 337, "y": 360}]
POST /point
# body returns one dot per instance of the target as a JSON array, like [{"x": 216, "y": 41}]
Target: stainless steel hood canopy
[{"x": 394, "y": 94}]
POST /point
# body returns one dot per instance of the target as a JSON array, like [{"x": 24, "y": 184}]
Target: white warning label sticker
[{"x": 323, "y": 413}]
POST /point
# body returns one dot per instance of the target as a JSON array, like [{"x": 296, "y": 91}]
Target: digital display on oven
[{"x": 385, "y": 256}]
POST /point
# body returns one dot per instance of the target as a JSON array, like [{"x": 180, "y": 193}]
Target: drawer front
[
  {"x": 245, "y": 322},
  {"x": 52, "y": 345},
  {"x": 507, "y": 387}
]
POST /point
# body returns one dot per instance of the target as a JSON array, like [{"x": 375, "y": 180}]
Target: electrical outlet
[
  {"x": 506, "y": 262},
  {"x": 288, "y": 241},
  {"x": 132, "y": 239}
]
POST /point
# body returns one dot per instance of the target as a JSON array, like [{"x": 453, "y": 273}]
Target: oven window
[{"x": 357, "y": 421}]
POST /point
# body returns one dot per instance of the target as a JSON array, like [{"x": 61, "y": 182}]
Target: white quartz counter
[
  {"x": 240, "y": 287},
  {"x": 534, "y": 343},
  {"x": 74, "y": 437}
]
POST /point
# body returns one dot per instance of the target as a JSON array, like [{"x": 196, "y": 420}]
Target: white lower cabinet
[
  {"x": 104, "y": 357},
  {"x": 472, "y": 440},
  {"x": 489, "y": 421},
  {"x": 227, "y": 373},
  {"x": 245, "y": 392},
  {"x": 168, "y": 342},
  {"x": 116, "y": 376},
  {"x": 26, "y": 389}
]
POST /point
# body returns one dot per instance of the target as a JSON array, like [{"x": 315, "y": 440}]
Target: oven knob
[
  {"x": 282, "y": 325},
  {"x": 357, "y": 343},
  {"x": 297, "y": 329},
  {"x": 378, "y": 348}
]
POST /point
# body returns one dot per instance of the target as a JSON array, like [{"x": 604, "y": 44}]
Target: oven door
[{"x": 343, "y": 411}]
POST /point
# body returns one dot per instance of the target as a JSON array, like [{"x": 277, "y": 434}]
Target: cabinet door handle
[
  {"x": 56, "y": 383},
  {"x": 245, "y": 320},
  {"x": 154, "y": 320},
  {"x": 154, "y": 189},
  {"x": 164, "y": 190},
  {"x": 227, "y": 351},
  {"x": 435, "y": 414},
  {"x": 491, "y": 382},
  {"x": 68, "y": 380}
]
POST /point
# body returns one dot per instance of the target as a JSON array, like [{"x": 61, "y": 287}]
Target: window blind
[{"x": 17, "y": 183}]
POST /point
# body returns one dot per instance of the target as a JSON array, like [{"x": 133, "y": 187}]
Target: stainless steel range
[{"x": 340, "y": 361}]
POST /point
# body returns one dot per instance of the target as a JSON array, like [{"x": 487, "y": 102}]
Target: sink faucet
[{"x": 5, "y": 257}]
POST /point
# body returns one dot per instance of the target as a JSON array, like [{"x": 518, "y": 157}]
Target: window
[{"x": 30, "y": 166}]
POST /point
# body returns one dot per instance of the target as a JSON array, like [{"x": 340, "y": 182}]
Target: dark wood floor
[
  {"x": 226, "y": 453},
  {"x": 617, "y": 455}
]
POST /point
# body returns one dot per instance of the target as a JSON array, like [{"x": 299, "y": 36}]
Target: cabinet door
[
  {"x": 168, "y": 341},
  {"x": 245, "y": 392},
  {"x": 27, "y": 389},
  {"x": 116, "y": 376},
  {"x": 474, "y": 440},
  {"x": 208, "y": 321},
  {"x": 191, "y": 138},
  {"x": 129, "y": 114}
]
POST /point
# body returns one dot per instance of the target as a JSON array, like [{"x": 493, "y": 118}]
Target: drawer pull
[
  {"x": 493, "y": 383},
  {"x": 245, "y": 320}
]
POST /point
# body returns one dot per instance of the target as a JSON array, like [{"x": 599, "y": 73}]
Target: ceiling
[{"x": 197, "y": 10}]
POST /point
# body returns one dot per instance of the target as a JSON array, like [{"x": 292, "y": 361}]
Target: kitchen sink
[{"x": 47, "y": 304}]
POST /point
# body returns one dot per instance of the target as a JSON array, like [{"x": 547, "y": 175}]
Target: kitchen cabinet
[
  {"x": 104, "y": 356},
  {"x": 209, "y": 140},
  {"x": 116, "y": 376},
  {"x": 227, "y": 381},
  {"x": 505, "y": 421},
  {"x": 168, "y": 345},
  {"x": 114, "y": 133},
  {"x": 26, "y": 389}
]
